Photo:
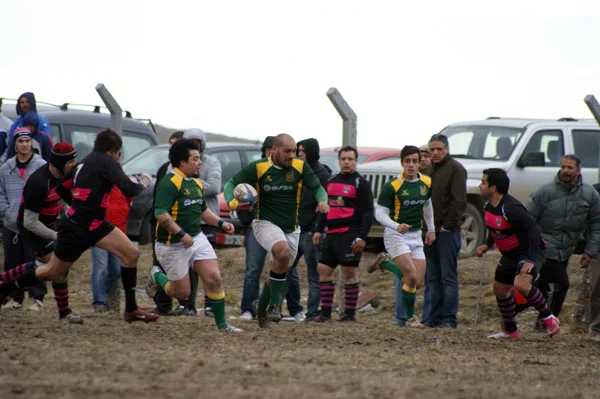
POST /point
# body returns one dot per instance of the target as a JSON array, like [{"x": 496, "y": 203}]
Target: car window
[
  {"x": 550, "y": 142},
  {"x": 253, "y": 155},
  {"x": 149, "y": 161},
  {"x": 586, "y": 147},
  {"x": 55, "y": 133},
  {"x": 82, "y": 138},
  {"x": 231, "y": 163}
]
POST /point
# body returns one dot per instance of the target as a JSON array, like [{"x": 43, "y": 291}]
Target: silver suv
[{"x": 528, "y": 149}]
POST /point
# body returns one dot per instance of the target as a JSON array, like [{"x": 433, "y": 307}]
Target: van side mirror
[{"x": 532, "y": 159}]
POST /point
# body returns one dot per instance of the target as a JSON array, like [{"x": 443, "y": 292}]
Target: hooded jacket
[
  {"x": 11, "y": 188},
  {"x": 308, "y": 203},
  {"x": 44, "y": 125},
  {"x": 43, "y": 139},
  {"x": 564, "y": 212}
]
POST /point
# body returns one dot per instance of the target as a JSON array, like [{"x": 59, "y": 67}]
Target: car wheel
[
  {"x": 472, "y": 231},
  {"x": 145, "y": 236}
]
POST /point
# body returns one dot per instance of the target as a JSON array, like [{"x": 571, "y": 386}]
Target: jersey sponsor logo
[
  {"x": 189, "y": 202},
  {"x": 404, "y": 193},
  {"x": 289, "y": 177},
  {"x": 346, "y": 189},
  {"x": 340, "y": 199},
  {"x": 498, "y": 222},
  {"x": 186, "y": 191},
  {"x": 423, "y": 190},
  {"x": 266, "y": 187},
  {"x": 413, "y": 202},
  {"x": 268, "y": 179}
]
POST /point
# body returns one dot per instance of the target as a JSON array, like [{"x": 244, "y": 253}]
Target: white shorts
[
  {"x": 397, "y": 244},
  {"x": 267, "y": 235},
  {"x": 176, "y": 260}
]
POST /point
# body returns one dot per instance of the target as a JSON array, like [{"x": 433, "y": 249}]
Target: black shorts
[
  {"x": 337, "y": 250},
  {"x": 509, "y": 268},
  {"x": 74, "y": 239},
  {"x": 41, "y": 246}
]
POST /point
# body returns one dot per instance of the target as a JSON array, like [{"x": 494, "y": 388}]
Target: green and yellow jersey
[
  {"x": 183, "y": 198},
  {"x": 405, "y": 199},
  {"x": 279, "y": 190}
]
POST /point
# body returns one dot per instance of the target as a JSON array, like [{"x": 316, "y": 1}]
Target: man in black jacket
[{"x": 308, "y": 151}]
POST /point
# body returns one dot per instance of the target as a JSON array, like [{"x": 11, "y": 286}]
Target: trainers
[
  {"x": 321, "y": 319},
  {"x": 151, "y": 284},
  {"x": 183, "y": 311},
  {"x": 299, "y": 317},
  {"x": 376, "y": 265},
  {"x": 552, "y": 325},
  {"x": 208, "y": 312},
  {"x": 503, "y": 334},
  {"x": 273, "y": 313},
  {"x": 140, "y": 314},
  {"x": 72, "y": 318},
  {"x": 414, "y": 322},
  {"x": 247, "y": 316},
  {"x": 36, "y": 306},
  {"x": 230, "y": 329},
  {"x": 346, "y": 317},
  {"x": 12, "y": 304}
]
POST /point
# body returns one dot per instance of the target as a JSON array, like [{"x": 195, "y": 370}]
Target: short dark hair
[
  {"x": 178, "y": 135},
  {"x": 497, "y": 177},
  {"x": 347, "y": 148},
  {"x": 439, "y": 137},
  {"x": 108, "y": 140},
  {"x": 409, "y": 150},
  {"x": 180, "y": 151},
  {"x": 574, "y": 158}
]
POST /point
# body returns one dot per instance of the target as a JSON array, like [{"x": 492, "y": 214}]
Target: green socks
[
  {"x": 161, "y": 279},
  {"x": 218, "y": 308},
  {"x": 265, "y": 297},
  {"x": 391, "y": 266},
  {"x": 408, "y": 298}
]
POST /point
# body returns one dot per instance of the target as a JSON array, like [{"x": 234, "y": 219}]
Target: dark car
[
  {"x": 232, "y": 156},
  {"x": 79, "y": 128}
]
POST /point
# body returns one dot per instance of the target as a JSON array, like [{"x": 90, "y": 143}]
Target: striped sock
[
  {"x": 507, "y": 308},
  {"x": 536, "y": 299},
  {"x": 277, "y": 281},
  {"x": 392, "y": 267},
  {"x": 408, "y": 298},
  {"x": 351, "y": 292},
  {"x": 327, "y": 292},
  {"x": 61, "y": 295},
  {"x": 17, "y": 271},
  {"x": 217, "y": 299}
]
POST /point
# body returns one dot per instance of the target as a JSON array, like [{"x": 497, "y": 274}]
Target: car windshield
[
  {"x": 148, "y": 161},
  {"x": 482, "y": 142}
]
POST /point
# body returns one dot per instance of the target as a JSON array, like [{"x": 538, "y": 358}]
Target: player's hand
[
  {"x": 403, "y": 228},
  {"x": 430, "y": 237},
  {"x": 228, "y": 228},
  {"x": 144, "y": 179},
  {"x": 322, "y": 207},
  {"x": 526, "y": 268},
  {"x": 187, "y": 240},
  {"x": 316, "y": 239},
  {"x": 358, "y": 246},
  {"x": 481, "y": 250},
  {"x": 585, "y": 260}
]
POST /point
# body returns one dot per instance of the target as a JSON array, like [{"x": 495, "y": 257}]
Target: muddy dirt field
[{"x": 185, "y": 357}]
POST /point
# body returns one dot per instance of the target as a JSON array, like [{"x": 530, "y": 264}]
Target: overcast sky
[{"x": 257, "y": 68}]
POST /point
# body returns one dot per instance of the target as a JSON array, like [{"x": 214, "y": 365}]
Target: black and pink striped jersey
[
  {"x": 39, "y": 196},
  {"x": 350, "y": 205},
  {"x": 512, "y": 228},
  {"x": 88, "y": 185}
]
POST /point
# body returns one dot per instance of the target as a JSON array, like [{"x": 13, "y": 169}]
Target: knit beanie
[{"x": 61, "y": 154}]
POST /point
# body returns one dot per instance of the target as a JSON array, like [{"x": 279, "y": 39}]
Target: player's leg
[
  {"x": 503, "y": 281},
  {"x": 351, "y": 291},
  {"x": 325, "y": 268}
]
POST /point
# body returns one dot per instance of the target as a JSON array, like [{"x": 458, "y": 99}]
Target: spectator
[
  {"x": 564, "y": 208},
  {"x": 308, "y": 151},
  {"x": 14, "y": 173},
  {"x": 31, "y": 121},
  {"x": 449, "y": 198},
  {"x": 255, "y": 254},
  {"x": 106, "y": 267},
  {"x": 5, "y": 125},
  {"x": 25, "y": 103}
]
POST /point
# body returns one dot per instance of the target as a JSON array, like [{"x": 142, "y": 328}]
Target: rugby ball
[{"x": 244, "y": 192}]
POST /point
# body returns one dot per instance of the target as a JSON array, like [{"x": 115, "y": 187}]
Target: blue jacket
[{"x": 44, "y": 125}]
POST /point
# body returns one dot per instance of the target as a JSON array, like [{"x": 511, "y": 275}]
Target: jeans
[
  {"x": 401, "y": 312},
  {"x": 311, "y": 257},
  {"x": 255, "y": 261},
  {"x": 106, "y": 271},
  {"x": 17, "y": 252},
  {"x": 442, "y": 274}
]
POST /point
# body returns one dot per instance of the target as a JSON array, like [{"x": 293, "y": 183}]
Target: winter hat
[
  {"x": 196, "y": 134},
  {"x": 311, "y": 149},
  {"x": 61, "y": 154},
  {"x": 424, "y": 148},
  {"x": 22, "y": 132},
  {"x": 31, "y": 119}
]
